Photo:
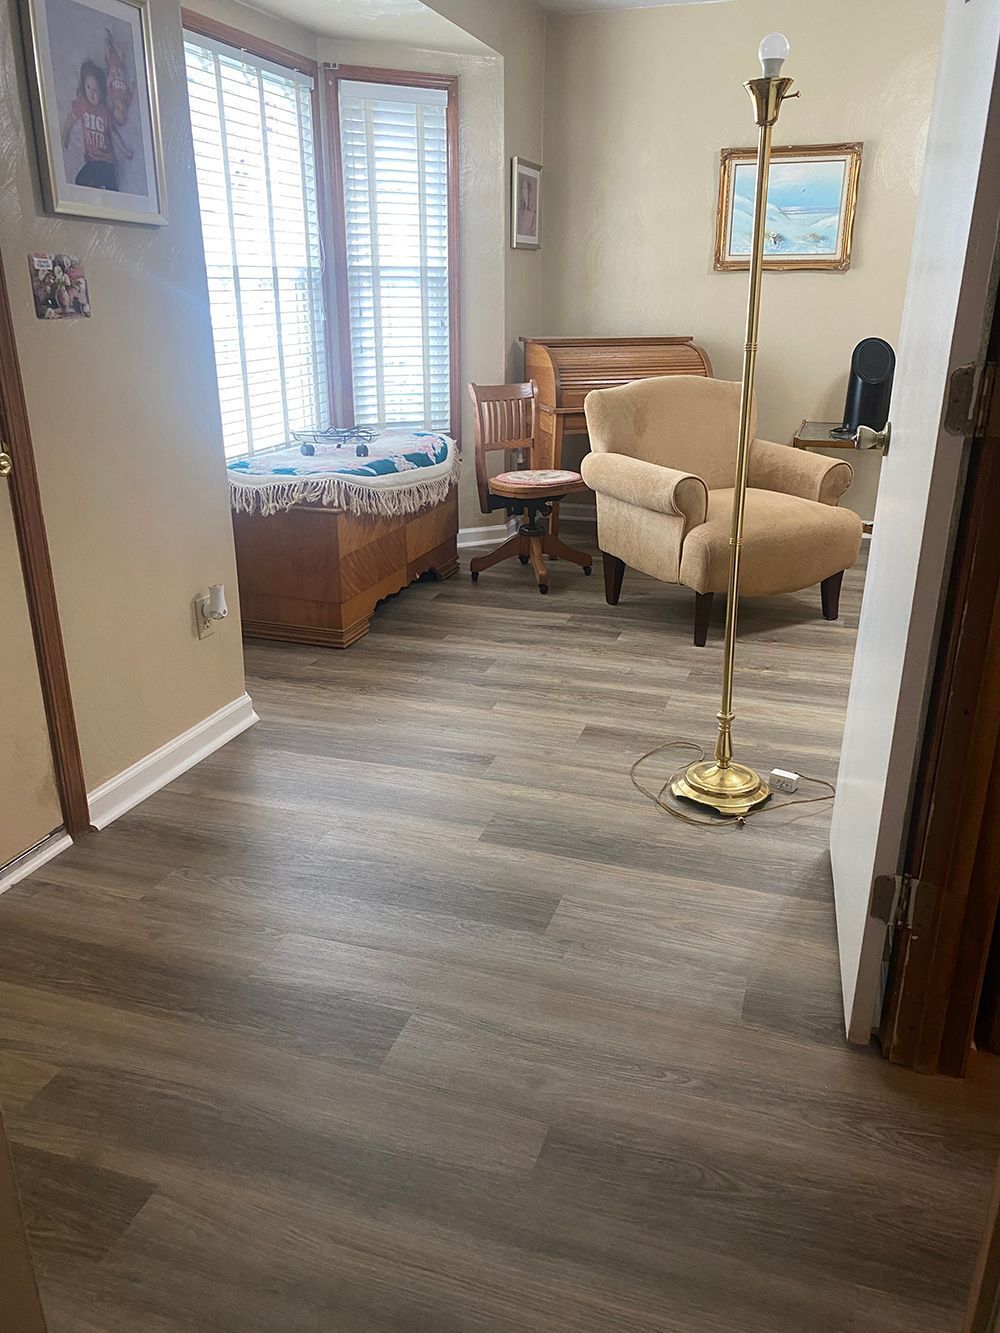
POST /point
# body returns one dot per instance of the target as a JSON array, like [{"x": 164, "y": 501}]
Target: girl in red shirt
[{"x": 90, "y": 109}]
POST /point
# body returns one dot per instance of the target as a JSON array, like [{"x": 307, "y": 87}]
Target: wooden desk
[{"x": 566, "y": 369}]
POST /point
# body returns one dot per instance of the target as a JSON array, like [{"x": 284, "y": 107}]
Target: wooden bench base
[{"x": 315, "y": 575}]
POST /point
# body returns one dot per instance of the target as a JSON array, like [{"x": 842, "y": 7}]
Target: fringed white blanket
[{"x": 402, "y": 473}]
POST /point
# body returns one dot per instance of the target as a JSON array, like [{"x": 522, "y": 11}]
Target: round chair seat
[{"x": 536, "y": 483}]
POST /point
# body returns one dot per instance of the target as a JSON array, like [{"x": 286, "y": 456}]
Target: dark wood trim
[
  {"x": 248, "y": 42},
  {"x": 454, "y": 267},
  {"x": 934, "y": 991},
  {"x": 29, "y": 524},
  {"x": 410, "y": 79},
  {"x": 406, "y": 77},
  {"x": 340, "y": 324}
]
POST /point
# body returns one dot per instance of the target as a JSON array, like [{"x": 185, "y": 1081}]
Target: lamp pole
[{"x": 731, "y": 788}]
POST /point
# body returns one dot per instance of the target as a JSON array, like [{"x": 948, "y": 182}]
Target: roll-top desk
[{"x": 566, "y": 369}]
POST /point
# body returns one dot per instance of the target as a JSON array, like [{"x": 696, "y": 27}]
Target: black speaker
[{"x": 869, "y": 386}]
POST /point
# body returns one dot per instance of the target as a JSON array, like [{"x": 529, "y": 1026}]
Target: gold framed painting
[
  {"x": 97, "y": 124},
  {"x": 812, "y": 197}
]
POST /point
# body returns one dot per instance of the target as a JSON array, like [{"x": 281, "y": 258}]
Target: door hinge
[
  {"x": 968, "y": 400},
  {"x": 892, "y": 898},
  {"x": 903, "y": 900}
]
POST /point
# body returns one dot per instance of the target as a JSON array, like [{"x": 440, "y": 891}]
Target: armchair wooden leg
[
  {"x": 702, "y": 616},
  {"x": 614, "y": 572},
  {"x": 829, "y": 591}
]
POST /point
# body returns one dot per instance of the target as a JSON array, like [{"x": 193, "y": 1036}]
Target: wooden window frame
[
  {"x": 334, "y": 76},
  {"x": 202, "y": 26}
]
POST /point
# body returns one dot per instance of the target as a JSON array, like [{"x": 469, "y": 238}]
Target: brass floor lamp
[{"x": 731, "y": 788}]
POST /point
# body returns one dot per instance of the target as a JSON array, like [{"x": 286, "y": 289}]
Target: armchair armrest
[
  {"x": 647, "y": 486},
  {"x": 779, "y": 467}
]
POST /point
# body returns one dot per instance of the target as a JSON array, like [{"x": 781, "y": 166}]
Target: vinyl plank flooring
[{"x": 406, "y": 1013}]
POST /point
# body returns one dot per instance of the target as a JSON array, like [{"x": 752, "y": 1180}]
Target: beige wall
[
  {"x": 125, "y": 422},
  {"x": 639, "y": 103},
  {"x": 516, "y": 29}
]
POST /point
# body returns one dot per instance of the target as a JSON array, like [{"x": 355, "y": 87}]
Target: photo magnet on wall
[
  {"x": 59, "y": 286},
  {"x": 94, "y": 96}
]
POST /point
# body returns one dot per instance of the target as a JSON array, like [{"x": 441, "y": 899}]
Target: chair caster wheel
[
  {"x": 588, "y": 569},
  {"x": 543, "y": 587},
  {"x": 523, "y": 559},
  {"x": 474, "y": 576}
]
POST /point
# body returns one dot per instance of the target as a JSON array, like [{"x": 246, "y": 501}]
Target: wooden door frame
[
  {"x": 29, "y": 527},
  {"x": 953, "y": 845}
]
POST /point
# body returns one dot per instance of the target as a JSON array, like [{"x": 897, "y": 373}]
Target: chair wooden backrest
[{"x": 506, "y": 418}]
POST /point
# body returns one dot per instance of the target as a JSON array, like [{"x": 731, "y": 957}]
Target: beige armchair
[{"x": 663, "y": 461}]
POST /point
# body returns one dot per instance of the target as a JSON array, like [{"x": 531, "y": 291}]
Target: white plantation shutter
[
  {"x": 255, "y": 158},
  {"x": 394, "y": 147}
]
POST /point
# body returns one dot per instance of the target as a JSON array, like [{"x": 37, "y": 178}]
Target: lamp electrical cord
[{"x": 740, "y": 820}]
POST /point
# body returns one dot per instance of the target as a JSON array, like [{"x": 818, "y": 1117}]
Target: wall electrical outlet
[
  {"x": 203, "y": 624},
  {"x": 780, "y": 779}
]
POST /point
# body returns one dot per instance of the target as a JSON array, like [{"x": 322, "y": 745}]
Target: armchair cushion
[
  {"x": 779, "y": 467},
  {"x": 788, "y": 543},
  {"x": 647, "y": 485}
]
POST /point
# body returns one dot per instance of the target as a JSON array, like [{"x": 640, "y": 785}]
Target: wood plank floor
[{"x": 405, "y": 1012}]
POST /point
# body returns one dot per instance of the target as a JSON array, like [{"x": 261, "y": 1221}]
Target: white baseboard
[
  {"x": 31, "y": 861},
  {"x": 142, "y": 779},
  {"x": 490, "y": 534}
]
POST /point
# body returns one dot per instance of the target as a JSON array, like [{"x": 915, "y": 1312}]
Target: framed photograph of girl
[{"x": 97, "y": 123}]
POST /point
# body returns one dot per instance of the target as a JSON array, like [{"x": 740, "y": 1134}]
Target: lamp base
[{"x": 733, "y": 790}]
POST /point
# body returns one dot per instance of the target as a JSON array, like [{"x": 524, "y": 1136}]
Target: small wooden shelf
[{"x": 812, "y": 433}]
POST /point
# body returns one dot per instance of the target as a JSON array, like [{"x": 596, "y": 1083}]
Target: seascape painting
[{"x": 811, "y": 200}]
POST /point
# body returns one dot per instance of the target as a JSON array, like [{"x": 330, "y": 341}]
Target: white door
[
  {"x": 29, "y": 799},
  {"x": 945, "y": 319}
]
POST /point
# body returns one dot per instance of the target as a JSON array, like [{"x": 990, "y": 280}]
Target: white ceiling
[
  {"x": 592, "y": 6},
  {"x": 413, "y": 23},
  {"x": 409, "y": 22}
]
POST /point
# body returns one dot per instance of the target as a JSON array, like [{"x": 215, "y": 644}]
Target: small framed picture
[
  {"x": 525, "y": 198},
  {"x": 96, "y": 117},
  {"x": 812, "y": 195},
  {"x": 59, "y": 286}
]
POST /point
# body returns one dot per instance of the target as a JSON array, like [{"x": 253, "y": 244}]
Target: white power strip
[{"x": 780, "y": 779}]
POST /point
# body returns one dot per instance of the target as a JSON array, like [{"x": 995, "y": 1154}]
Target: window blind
[
  {"x": 255, "y": 158},
  {"x": 395, "y": 167}
]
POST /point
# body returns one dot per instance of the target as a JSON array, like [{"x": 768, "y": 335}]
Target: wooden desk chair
[{"x": 507, "y": 418}]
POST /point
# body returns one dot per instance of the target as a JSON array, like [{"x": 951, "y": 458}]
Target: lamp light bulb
[{"x": 773, "y": 52}]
